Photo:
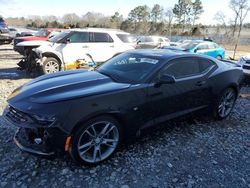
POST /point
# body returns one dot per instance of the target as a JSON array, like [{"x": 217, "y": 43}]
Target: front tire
[
  {"x": 51, "y": 65},
  {"x": 225, "y": 104},
  {"x": 96, "y": 140},
  {"x": 219, "y": 57}
]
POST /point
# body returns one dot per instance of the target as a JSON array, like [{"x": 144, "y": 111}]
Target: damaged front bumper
[{"x": 34, "y": 138}]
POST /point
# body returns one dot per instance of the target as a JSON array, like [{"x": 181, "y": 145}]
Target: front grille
[
  {"x": 16, "y": 41},
  {"x": 246, "y": 67},
  {"x": 16, "y": 116}
]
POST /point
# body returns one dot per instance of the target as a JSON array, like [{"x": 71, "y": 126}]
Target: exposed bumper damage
[{"x": 34, "y": 138}]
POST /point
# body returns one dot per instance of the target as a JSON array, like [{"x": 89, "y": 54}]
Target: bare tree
[
  {"x": 70, "y": 19},
  {"x": 234, "y": 6},
  {"x": 242, "y": 8},
  {"x": 169, "y": 18},
  {"x": 220, "y": 17}
]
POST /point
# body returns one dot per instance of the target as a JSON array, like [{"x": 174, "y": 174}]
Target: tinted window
[
  {"x": 126, "y": 38},
  {"x": 102, "y": 37},
  {"x": 188, "y": 45},
  {"x": 205, "y": 65},
  {"x": 79, "y": 37},
  {"x": 149, "y": 39},
  {"x": 129, "y": 67},
  {"x": 182, "y": 68},
  {"x": 12, "y": 29},
  {"x": 59, "y": 36}
]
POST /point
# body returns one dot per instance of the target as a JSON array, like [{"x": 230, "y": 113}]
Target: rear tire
[
  {"x": 225, "y": 104},
  {"x": 96, "y": 140},
  {"x": 51, "y": 65}
]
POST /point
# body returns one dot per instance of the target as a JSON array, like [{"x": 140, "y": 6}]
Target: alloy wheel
[
  {"x": 51, "y": 67},
  {"x": 226, "y": 103},
  {"x": 98, "y": 142}
]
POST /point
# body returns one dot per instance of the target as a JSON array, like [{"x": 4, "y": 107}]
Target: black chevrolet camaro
[{"x": 89, "y": 113}]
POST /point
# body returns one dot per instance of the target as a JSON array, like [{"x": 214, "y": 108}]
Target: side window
[
  {"x": 205, "y": 65},
  {"x": 149, "y": 39},
  {"x": 102, "y": 37},
  {"x": 211, "y": 46},
  {"x": 202, "y": 47},
  {"x": 160, "y": 40},
  {"x": 183, "y": 67},
  {"x": 216, "y": 45},
  {"x": 79, "y": 37}
]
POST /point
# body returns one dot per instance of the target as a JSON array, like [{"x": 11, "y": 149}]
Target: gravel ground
[{"x": 182, "y": 153}]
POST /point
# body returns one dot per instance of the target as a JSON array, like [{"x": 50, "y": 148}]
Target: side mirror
[
  {"x": 195, "y": 50},
  {"x": 165, "y": 79},
  {"x": 67, "y": 41},
  {"x": 138, "y": 42}
]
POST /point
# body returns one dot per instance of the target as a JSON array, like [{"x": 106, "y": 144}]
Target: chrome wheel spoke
[
  {"x": 110, "y": 129},
  {"x": 93, "y": 129},
  {"x": 106, "y": 140},
  {"x": 83, "y": 152},
  {"x": 95, "y": 153},
  {"x": 85, "y": 145},
  {"x": 90, "y": 134},
  {"x": 104, "y": 129},
  {"x": 51, "y": 67}
]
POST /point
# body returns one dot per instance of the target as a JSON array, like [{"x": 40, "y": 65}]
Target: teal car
[
  {"x": 200, "y": 47},
  {"x": 204, "y": 47}
]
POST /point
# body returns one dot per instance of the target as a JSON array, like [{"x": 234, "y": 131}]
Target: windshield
[
  {"x": 129, "y": 67},
  {"x": 42, "y": 33},
  {"x": 56, "y": 38},
  {"x": 188, "y": 46},
  {"x": 126, "y": 38}
]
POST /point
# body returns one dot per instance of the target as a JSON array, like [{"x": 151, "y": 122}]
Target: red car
[{"x": 41, "y": 35}]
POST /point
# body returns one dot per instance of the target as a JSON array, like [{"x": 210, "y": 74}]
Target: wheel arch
[
  {"x": 116, "y": 115},
  {"x": 50, "y": 54}
]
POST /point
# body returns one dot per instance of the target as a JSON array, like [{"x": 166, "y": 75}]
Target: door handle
[
  {"x": 200, "y": 83},
  {"x": 112, "y": 46},
  {"x": 85, "y": 46}
]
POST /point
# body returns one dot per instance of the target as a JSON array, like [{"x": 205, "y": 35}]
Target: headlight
[
  {"x": 44, "y": 119},
  {"x": 14, "y": 93}
]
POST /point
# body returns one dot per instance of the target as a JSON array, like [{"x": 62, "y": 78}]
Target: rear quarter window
[
  {"x": 101, "y": 37},
  {"x": 205, "y": 65}
]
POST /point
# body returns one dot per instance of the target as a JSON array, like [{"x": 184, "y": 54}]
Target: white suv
[{"x": 63, "y": 51}]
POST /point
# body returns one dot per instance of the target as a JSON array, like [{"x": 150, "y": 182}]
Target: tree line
[
  {"x": 181, "y": 19},
  {"x": 141, "y": 20}
]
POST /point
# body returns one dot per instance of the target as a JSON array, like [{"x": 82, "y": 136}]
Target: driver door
[{"x": 190, "y": 91}]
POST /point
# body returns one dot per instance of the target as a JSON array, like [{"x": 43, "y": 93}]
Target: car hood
[
  {"x": 29, "y": 38},
  {"x": 33, "y": 43},
  {"x": 65, "y": 86}
]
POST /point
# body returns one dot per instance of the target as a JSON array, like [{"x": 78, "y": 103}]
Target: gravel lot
[{"x": 182, "y": 153}]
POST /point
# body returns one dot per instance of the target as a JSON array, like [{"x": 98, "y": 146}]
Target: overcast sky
[{"x": 19, "y": 8}]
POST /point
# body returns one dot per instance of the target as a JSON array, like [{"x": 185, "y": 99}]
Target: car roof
[
  {"x": 90, "y": 29},
  {"x": 167, "y": 54}
]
